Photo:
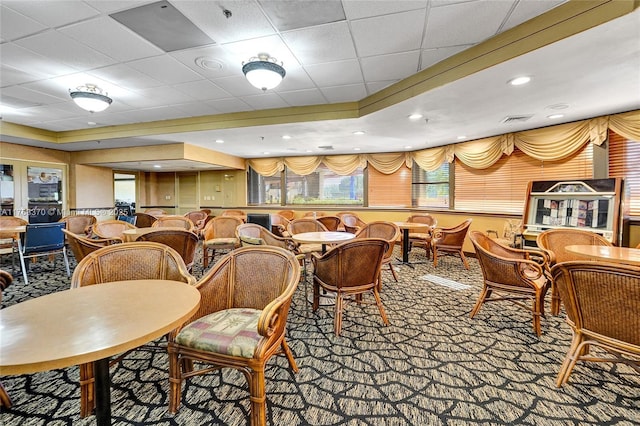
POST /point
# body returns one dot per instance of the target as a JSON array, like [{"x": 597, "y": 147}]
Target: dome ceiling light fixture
[
  {"x": 263, "y": 71},
  {"x": 89, "y": 97}
]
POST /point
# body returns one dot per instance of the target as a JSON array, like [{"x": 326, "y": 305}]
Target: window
[
  {"x": 502, "y": 187},
  {"x": 623, "y": 159},
  {"x": 430, "y": 188},
  {"x": 263, "y": 189},
  {"x": 324, "y": 187}
]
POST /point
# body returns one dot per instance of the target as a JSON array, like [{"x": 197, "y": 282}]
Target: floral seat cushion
[
  {"x": 230, "y": 332},
  {"x": 220, "y": 241}
]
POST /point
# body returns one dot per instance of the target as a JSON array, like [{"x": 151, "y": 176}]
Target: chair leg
[
  {"x": 175, "y": 379},
  {"x": 258, "y": 397},
  {"x": 87, "y": 389},
  {"x": 289, "y": 355},
  {"x": 569, "y": 360},
  {"x": 24, "y": 268},
  {"x": 464, "y": 259},
  {"x": 5, "y": 400},
  {"x": 486, "y": 292},
  {"x": 337, "y": 320},
  {"x": 555, "y": 300},
  {"x": 393, "y": 271},
  {"x": 383, "y": 314},
  {"x": 435, "y": 256}
]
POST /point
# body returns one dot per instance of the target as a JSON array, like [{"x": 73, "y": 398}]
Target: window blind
[
  {"x": 389, "y": 190},
  {"x": 624, "y": 155}
]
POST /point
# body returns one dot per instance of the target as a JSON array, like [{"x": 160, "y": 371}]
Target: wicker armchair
[
  {"x": 351, "y": 223},
  {"x": 254, "y": 234},
  {"x": 183, "y": 241},
  {"x": 330, "y": 222},
  {"x": 554, "y": 241},
  {"x": 251, "y": 288},
  {"x": 155, "y": 212},
  {"x": 144, "y": 220},
  {"x": 80, "y": 224},
  {"x": 602, "y": 301},
  {"x": 422, "y": 239},
  {"x": 306, "y": 224},
  {"x": 450, "y": 240},
  {"x": 124, "y": 262},
  {"x": 287, "y": 214},
  {"x": 5, "y": 280},
  {"x": 110, "y": 229},
  {"x": 219, "y": 234},
  {"x": 174, "y": 221},
  {"x": 388, "y": 231},
  {"x": 512, "y": 274},
  {"x": 81, "y": 246},
  {"x": 349, "y": 269},
  {"x": 239, "y": 213},
  {"x": 511, "y": 234},
  {"x": 199, "y": 219},
  {"x": 279, "y": 225}
]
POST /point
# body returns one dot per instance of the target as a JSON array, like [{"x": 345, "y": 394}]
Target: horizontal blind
[
  {"x": 624, "y": 155},
  {"x": 503, "y": 186},
  {"x": 389, "y": 190}
]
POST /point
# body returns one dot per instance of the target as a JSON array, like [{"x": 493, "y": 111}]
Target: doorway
[{"x": 124, "y": 192}]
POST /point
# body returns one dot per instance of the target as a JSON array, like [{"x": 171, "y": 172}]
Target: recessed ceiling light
[
  {"x": 554, "y": 116},
  {"x": 286, "y": 137},
  {"x": 408, "y": 147},
  {"x": 308, "y": 150},
  {"x": 358, "y": 132},
  {"x": 461, "y": 137},
  {"x": 219, "y": 141},
  {"x": 266, "y": 153},
  {"x": 91, "y": 123},
  {"x": 558, "y": 106},
  {"x": 157, "y": 166},
  {"x": 415, "y": 116},
  {"x": 356, "y": 149},
  {"x": 518, "y": 81}
]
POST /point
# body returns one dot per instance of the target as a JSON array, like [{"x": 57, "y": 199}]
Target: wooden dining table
[
  {"x": 91, "y": 324},
  {"x": 625, "y": 255}
]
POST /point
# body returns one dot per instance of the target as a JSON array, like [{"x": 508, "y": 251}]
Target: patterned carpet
[{"x": 432, "y": 366}]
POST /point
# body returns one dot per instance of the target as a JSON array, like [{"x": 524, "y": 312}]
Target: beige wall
[{"x": 91, "y": 187}]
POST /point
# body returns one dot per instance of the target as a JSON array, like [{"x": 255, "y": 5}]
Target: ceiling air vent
[
  {"x": 516, "y": 119},
  {"x": 326, "y": 147}
]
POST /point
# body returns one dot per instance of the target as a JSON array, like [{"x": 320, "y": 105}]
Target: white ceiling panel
[
  {"x": 265, "y": 101},
  {"x": 305, "y": 44},
  {"x": 348, "y": 93},
  {"x": 23, "y": 59},
  {"x": 111, "y": 6},
  {"x": 32, "y": 95},
  {"x": 229, "y": 105},
  {"x": 433, "y": 56},
  {"x": 303, "y": 97},
  {"x": 165, "y": 69},
  {"x": 53, "y": 13},
  {"x": 390, "y": 67},
  {"x": 10, "y": 76},
  {"x": 202, "y": 90},
  {"x": 210, "y": 61},
  {"x": 105, "y": 35},
  {"x": 125, "y": 77},
  {"x": 524, "y": 10},
  {"x": 389, "y": 34},
  {"x": 13, "y": 25},
  {"x": 363, "y": 9},
  {"x": 337, "y": 73}
]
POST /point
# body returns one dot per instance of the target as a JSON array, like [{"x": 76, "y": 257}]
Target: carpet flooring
[{"x": 432, "y": 365}]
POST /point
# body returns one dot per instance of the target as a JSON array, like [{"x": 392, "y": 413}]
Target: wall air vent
[
  {"x": 516, "y": 119},
  {"x": 326, "y": 147}
]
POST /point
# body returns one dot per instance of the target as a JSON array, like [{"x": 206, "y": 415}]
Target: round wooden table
[
  {"x": 130, "y": 235},
  {"x": 322, "y": 237},
  {"x": 626, "y": 255},
  {"x": 406, "y": 226},
  {"x": 91, "y": 323}
]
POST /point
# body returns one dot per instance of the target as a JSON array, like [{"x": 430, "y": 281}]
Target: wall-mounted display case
[{"x": 596, "y": 205}]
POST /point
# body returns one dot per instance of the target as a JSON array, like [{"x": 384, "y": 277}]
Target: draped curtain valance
[{"x": 546, "y": 144}]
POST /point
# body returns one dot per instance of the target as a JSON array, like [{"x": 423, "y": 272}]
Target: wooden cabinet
[{"x": 596, "y": 205}]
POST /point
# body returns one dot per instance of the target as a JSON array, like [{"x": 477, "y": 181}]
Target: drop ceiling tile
[
  {"x": 395, "y": 33},
  {"x": 349, "y": 93},
  {"x": 13, "y": 25},
  {"x": 25, "y": 60},
  {"x": 526, "y": 10},
  {"x": 376, "y": 86},
  {"x": 196, "y": 109},
  {"x": 472, "y": 24},
  {"x": 10, "y": 76},
  {"x": 47, "y": 113},
  {"x": 164, "y": 95},
  {"x": 106, "y": 36},
  {"x": 28, "y": 95},
  {"x": 265, "y": 101},
  {"x": 230, "y": 105},
  {"x": 293, "y": 15},
  {"x": 53, "y": 13},
  {"x": 361, "y": 9},
  {"x": 390, "y": 67},
  {"x": 165, "y": 69},
  {"x": 305, "y": 45},
  {"x": 303, "y": 97},
  {"x": 202, "y": 90},
  {"x": 209, "y": 61},
  {"x": 433, "y": 56},
  {"x": 247, "y": 20},
  {"x": 237, "y": 85},
  {"x": 153, "y": 114},
  {"x": 295, "y": 79},
  {"x": 115, "y": 5},
  {"x": 242, "y": 51},
  {"x": 125, "y": 77},
  {"x": 335, "y": 73},
  {"x": 58, "y": 47},
  {"x": 60, "y": 86}
]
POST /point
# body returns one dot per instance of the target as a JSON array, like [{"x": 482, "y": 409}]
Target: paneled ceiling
[{"x": 352, "y": 65}]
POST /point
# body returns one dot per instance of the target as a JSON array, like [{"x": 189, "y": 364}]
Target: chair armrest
[{"x": 492, "y": 231}]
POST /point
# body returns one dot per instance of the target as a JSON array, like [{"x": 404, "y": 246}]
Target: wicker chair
[
  {"x": 183, "y": 241},
  {"x": 219, "y": 234},
  {"x": 81, "y": 246},
  {"x": 155, "y": 212},
  {"x": 5, "y": 280},
  {"x": 422, "y": 239},
  {"x": 110, "y": 229},
  {"x": 450, "y": 240},
  {"x": 511, "y": 233},
  {"x": 174, "y": 221},
  {"x": 80, "y": 224},
  {"x": 287, "y": 214},
  {"x": 306, "y": 224},
  {"x": 252, "y": 288},
  {"x": 239, "y": 213},
  {"x": 349, "y": 269},
  {"x": 351, "y": 223},
  {"x": 388, "y": 231},
  {"x": 313, "y": 214},
  {"x": 199, "y": 219},
  {"x": 251, "y": 233},
  {"x": 554, "y": 241},
  {"x": 512, "y": 274},
  {"x": 144, "y": 220},
  {"x": 602, "y": 301},
  {"x": 124, "y": 262},
  {"x": 332, "y": 223},
  {"x": 279, "y": 225}
]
